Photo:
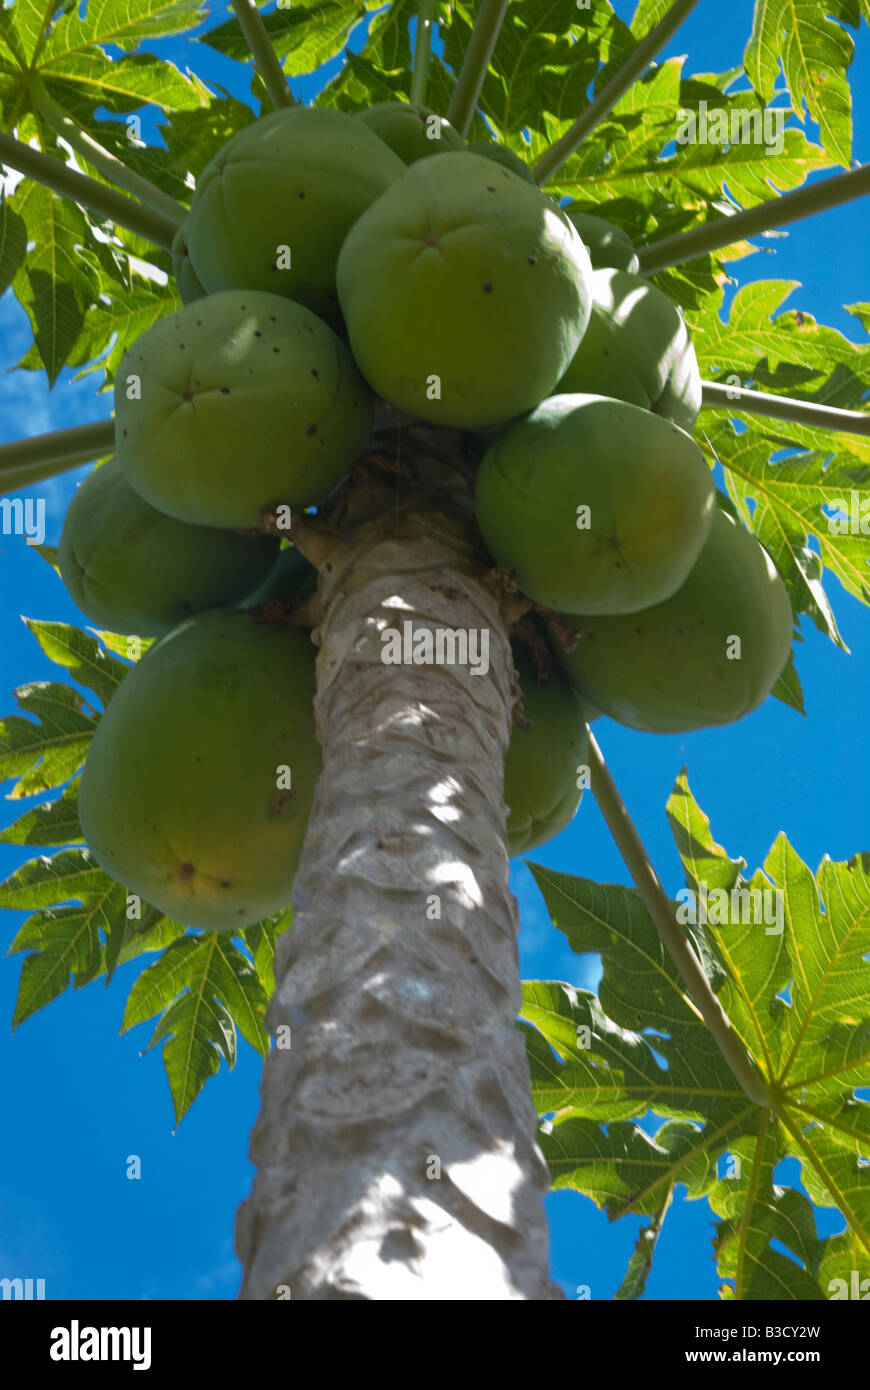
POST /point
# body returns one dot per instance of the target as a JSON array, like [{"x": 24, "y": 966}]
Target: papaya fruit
[
  {"x": 708, "y": 655},
  {"x": 291, "y": 579},
  {"x": 274, "y": 205},
  {"x": 236, "y": 402},
  {"x": 183, "y": 798},
  {"x": 608, "y": 246},
  {"x": 412, "y": 131},
  {"x": 132, "y": 569},
  {"x": 503, "y": 155},
  {"x": 597, "y": 506},
  {"x": 540, "y": 770},
  {"x": 464, "y": 292},
  {"x": 637, "y": 348},
  {"x": 187, "y": 281}
]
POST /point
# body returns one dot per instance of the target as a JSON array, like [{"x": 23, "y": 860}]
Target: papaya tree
[{"x": 432, "y": 441}]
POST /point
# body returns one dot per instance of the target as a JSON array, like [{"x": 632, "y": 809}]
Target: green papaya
[
  {"x": 464, "y": 292},
  {"x": 412, "y": 131},
  {"x": 200, "y": 776},
  {"x": 541, "y": 766},
  {"x": 708, "y": 655},
  {"x": 274, "y": 205},
  {"x": 240, "y": 401},
  {"x": 597, "y": 506},
  {"x": 608, "y": 246},
  {"x": 291, "y": 580},
  {"x": 186, "y": 279},
  {"x": 637, "y": 348},
  {"x": 132, "y": 569},
  {"x": 503, "y": 155}
]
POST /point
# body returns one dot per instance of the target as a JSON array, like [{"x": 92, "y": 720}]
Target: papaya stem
[
  {"x": 741, "y": 400},
  {"x": 422, "y": 42},
  {"x": 69, "y": 183},
  {"x": 469, "y": 84},
  {"x": 674, "y": 939},
  {"x": 265, "y": 58},
  {"x": 108, "y": 164},
  {"x": 774, "y": 212},
  {"x": 601, "y": 106},
  {"x": 27, "y": 461}
]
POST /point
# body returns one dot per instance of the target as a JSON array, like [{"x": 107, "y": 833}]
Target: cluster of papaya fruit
[{"x": 328, "y": 260}]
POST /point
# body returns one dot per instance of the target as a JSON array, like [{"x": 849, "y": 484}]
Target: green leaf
[
  {"x": 13, "y": 244},
  {"x": 56, "y": 288},
  {"x": 640, "y": 1264},
  {"x": 121, "y": 23},
  {"x": 47, "y": 752},
  {"x": 64, "y": 941},
  {"x": 82, "y": 655},
  {"x": 305, "y": 36},
  {"x": 815, "y": 53},
  {"x": 203, "y": 987},
  {"x": 788, "y": 954},
  {"x": 50, "y": 823}
]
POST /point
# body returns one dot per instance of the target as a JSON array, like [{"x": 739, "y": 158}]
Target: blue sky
[{"x": 81, "y": 1099}]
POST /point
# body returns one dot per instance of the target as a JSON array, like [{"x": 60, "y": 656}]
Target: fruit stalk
[
  {"x": 69, "y": 183},
  {"x": 24, "y": 462},
  {"x": 265, "y": 58},
  {"x": 469, "y": 85},
  {"x": 396, "y": 1144},
  {"x": 675, "y": 941},
  {"x": 422, "y": 44},
  {"x": 601, "y": 106},
  {"x": 766, "y": 217},
  {"x": 739, "y": 400},
  {"x": 112, "y": 168}
]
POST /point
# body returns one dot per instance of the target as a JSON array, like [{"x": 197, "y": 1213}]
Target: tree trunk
[{"x": 396, "y": 1142}]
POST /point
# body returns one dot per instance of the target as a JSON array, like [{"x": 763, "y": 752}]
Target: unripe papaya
[
  {"x": 132, "y": 569},
  {"x": 240, "y": 401},
  {"x": 412, "y": 131},
  {"x": 708, "y": 655},
  {"x": 503, "y": 155},
  {"x": 200, "y": 776},
  {"x": 186, "y": 279},
  {"x": 464, "y": 292},
  {"x": 637, "y": 348},
  {"x": 608, "y": 246},
  {"x": 274, "y": 205},
  {"x": 597, "y": 506},
  {"x": 541, "y": 766},
  {"x": 291, "y": 580}
]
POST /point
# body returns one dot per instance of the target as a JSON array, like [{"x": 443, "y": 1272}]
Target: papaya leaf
[
  {"x": 815, "y": 52},
  {"x": 82, "y": 655},
  {"x": 13, "y": 244},
  {"x": 304, "y": 37},
  {"x": 123, "y": 24},
  {"x": 640, "y": 1264},
  {"x": 788, "y": 687},
  {"x": 50, "y": 823},
  {"x": 46, "y": 751},
  {"x": 56, "y": 288},
  {"x": 808, "y": 496},
  {"x": 63, "y": 940},
  {"x": 787, "y": 953},
  {"x": 203, "y": 987}
]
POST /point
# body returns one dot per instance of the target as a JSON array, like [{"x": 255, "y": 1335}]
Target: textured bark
[{"x": 405, "y": 1056}]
